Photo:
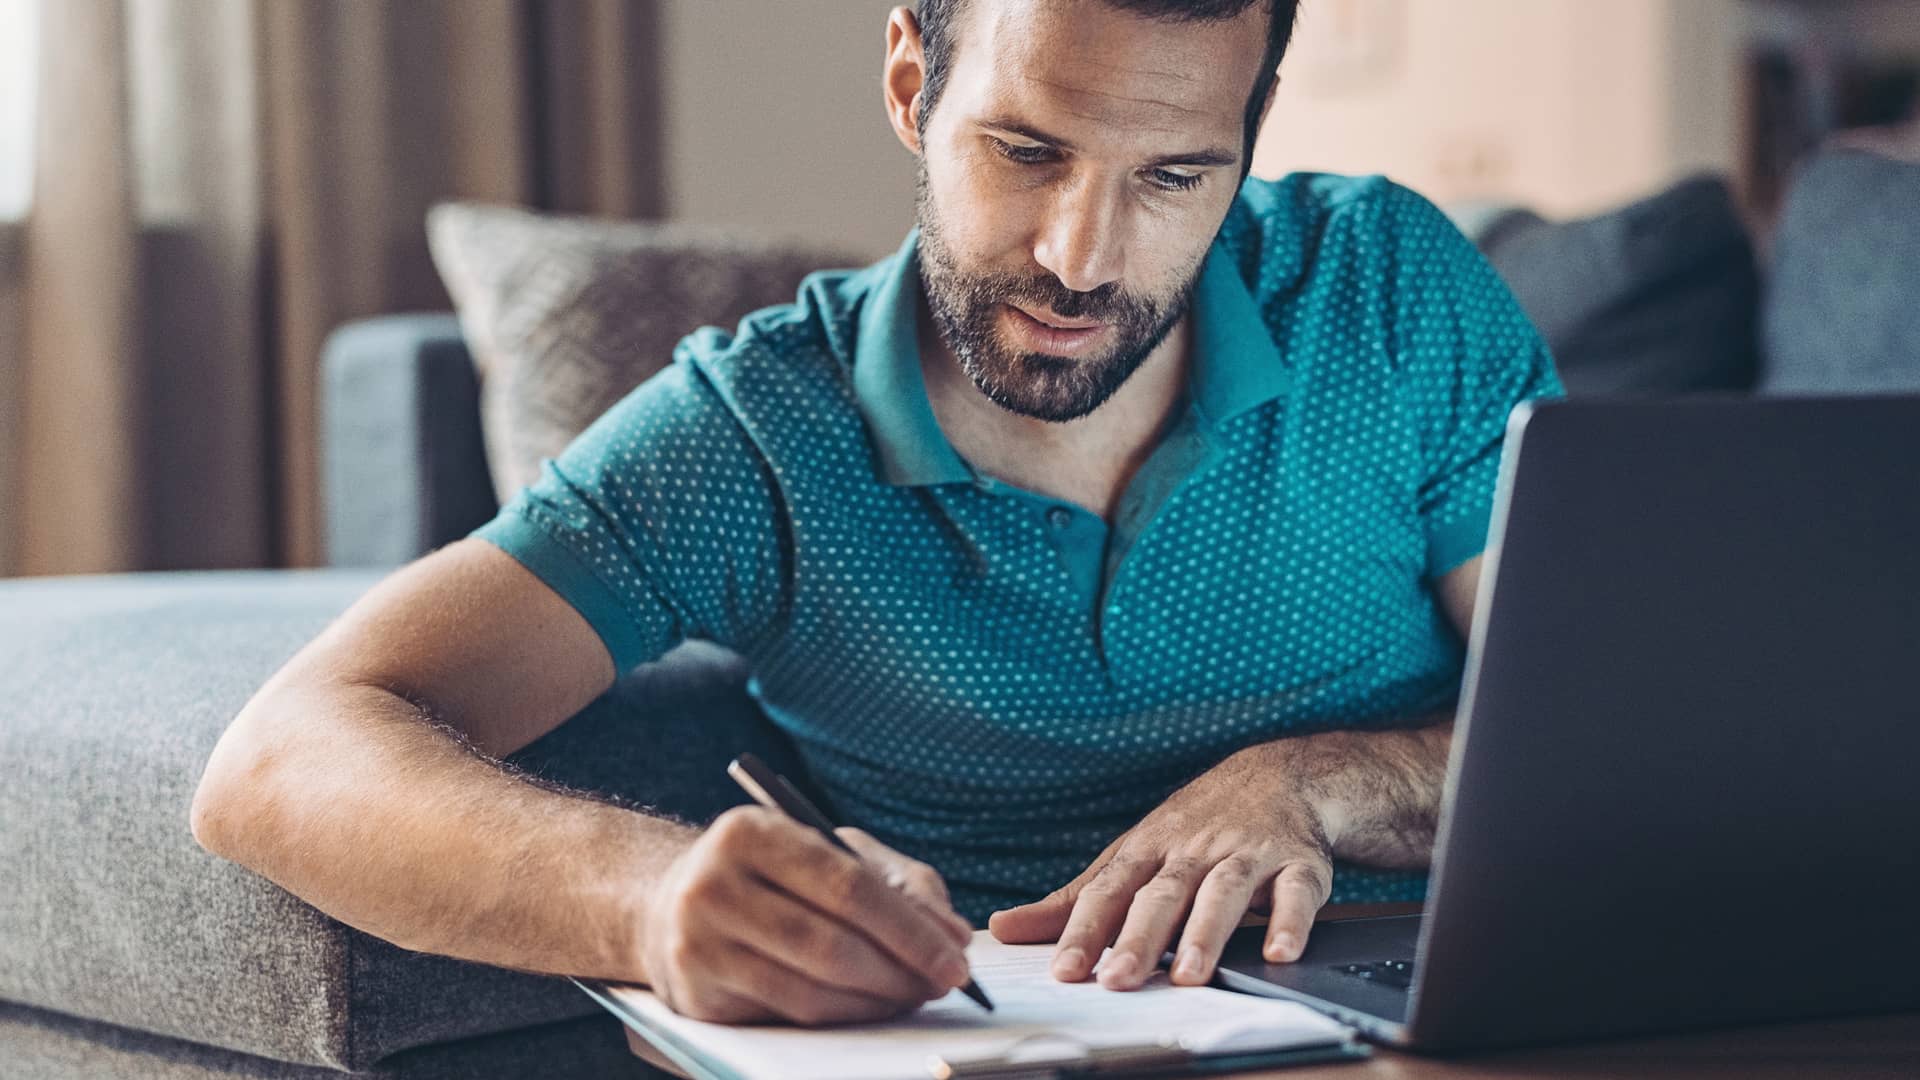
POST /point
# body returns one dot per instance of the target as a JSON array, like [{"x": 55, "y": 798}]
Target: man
[{"x": 1108, "y": 551}]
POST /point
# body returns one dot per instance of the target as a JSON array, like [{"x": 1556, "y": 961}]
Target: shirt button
[{"x": 1059, "y": 517}]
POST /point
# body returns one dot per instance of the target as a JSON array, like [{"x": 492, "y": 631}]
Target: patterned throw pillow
[{"x": 564, "y": 315}]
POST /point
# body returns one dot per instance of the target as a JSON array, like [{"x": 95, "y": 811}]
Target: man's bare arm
[
  {"x": 361, "y": 776},
  {"x": 1378, "y": 792},
  {"x": 364, "y": 779}
]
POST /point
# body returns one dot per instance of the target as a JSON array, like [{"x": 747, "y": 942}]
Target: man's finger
[
  {"x": 830, "y": 952},
  {"x": 854, "y": 893},
  {"x": 912, "y": 877},
  {"x": 1298, "y": 891},
  {"x": 1152, "y": 917},
  {"x": 1223, "y": 898},
  {"x": 1097, "y": 915},
  {"x": 792, "y": 994},
  {"x": 1040, "y": 921},
  {"x": 1045, "y": 919}
]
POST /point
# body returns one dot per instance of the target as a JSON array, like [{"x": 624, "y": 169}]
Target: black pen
[{"x": 772, "y": 791}]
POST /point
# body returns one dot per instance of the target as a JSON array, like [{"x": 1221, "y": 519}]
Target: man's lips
[
  {"x": 1038, "y": 334},
  {"x": 1058, "y": 322}
]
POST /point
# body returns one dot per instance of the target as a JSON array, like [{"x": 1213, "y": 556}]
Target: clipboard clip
[{"x": 1020, "y": 1061}]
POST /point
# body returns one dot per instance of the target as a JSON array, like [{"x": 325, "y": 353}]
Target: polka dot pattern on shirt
[{"x": 998, "y": 682}]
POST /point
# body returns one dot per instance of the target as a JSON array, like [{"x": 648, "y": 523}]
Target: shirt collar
[
  {"x": 888, "y": 386},
  {"x": 1235, "y": 365}
]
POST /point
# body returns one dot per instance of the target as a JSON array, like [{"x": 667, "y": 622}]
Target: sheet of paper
[{"x": 1033, "y": 1010}]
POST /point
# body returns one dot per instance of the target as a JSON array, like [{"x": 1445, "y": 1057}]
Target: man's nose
[{"x": 1081, "y": 244}]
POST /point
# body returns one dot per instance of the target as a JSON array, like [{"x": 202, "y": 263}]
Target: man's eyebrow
[
  {"x": 1026, "y": 132},
  {"x": 1207, "y": 158}
]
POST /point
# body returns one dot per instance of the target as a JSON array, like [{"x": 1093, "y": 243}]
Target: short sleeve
[
  {"x": 1469, "y": 355},
  {"x": 657, "y": 524}
]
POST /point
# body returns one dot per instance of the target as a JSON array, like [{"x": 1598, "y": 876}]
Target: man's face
[{"x": 1073, "y": 174}]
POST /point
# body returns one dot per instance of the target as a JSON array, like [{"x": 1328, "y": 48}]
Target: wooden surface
[
  {"x": 1857, "y": 1048},
  {"x": 1862, "y": 1047}
]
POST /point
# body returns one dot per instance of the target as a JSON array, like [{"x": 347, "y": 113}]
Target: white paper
[{"x": 1029, "y": 1004}]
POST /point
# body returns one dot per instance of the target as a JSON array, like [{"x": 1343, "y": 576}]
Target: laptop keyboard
[{"x": 1395, "y": 974}]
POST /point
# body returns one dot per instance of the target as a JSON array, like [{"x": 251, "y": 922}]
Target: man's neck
[{"x": 1088, "y": 461}]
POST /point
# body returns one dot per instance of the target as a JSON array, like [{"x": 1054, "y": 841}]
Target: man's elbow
[
  {"x": 212, "y": 814},
  {"x": 226, "y": 812}
]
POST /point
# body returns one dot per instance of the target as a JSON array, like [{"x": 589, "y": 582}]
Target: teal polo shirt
[{"x": 999, "y": 682}]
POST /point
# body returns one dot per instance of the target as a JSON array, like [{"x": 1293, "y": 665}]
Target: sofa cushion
[
  {"x": 565, "y": 315},
  {"x": 48, "y": 1046},
  {"x": 1841, "y": 311},
  {"x": 113, "y": 691},
  {"x": 1656, "y": 297}
]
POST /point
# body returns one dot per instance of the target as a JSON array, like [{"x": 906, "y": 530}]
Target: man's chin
[
  {"x": 1024, "y": 402},
  {"x": 1041, "y": 414},
  {"x": 1033, "y": 384}
]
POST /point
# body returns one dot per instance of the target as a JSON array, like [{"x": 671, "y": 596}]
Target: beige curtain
[{"x": 218, "y": 184}]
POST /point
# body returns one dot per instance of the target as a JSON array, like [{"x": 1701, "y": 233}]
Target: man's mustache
[{"x": 1105, "y": 304}]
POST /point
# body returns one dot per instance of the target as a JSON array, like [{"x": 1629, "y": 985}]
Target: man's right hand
[{"x": 763, "y": 919}]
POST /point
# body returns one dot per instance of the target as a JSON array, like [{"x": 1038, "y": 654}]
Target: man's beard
[{"x": 965, "y": 308}]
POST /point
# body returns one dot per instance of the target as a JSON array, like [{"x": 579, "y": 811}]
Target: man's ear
[{"x": 903, "y": 76}]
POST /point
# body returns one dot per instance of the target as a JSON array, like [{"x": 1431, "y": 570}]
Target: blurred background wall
[
  {"x": 773, "y": 121},
  {"x": 194, "y": 192},
  {"x": 1566, "y": 105}
]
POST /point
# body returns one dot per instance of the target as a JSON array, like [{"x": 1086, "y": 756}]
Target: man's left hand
[{"x": 1239, "y": 836}]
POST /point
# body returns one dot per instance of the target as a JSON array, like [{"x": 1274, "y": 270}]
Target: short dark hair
[{"x": 937, "y": 18}]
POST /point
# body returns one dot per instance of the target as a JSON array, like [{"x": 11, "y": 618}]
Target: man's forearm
[
  {"x": 1377, "y": 792},
  {"x": 354, "y": 800}
]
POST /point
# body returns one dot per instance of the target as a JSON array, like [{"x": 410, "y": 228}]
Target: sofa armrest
[
  {"x": 113, "y": 691},
  {"x": 405, "y": 469}
]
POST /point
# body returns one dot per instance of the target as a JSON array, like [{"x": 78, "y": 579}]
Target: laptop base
[{"x": 1316, "y": 979}]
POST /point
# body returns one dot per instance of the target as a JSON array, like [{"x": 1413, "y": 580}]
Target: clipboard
[
  {"x": 690, "y": 1060},
  {"x": 1043, "y": 1029},
  {"x": 1144, "y": 1062}
]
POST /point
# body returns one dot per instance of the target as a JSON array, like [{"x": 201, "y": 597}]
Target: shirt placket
[{"x": 1186, "y": 451}]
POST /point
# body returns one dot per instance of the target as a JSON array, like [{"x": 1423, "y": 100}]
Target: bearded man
[{"x": 1106, "y": 552}]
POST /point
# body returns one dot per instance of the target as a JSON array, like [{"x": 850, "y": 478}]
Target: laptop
[{"x": 1685, "y": 782}]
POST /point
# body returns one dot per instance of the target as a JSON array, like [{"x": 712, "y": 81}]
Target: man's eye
[
  {"x": 1172, "y": 181},
  {"x": 1025, "y": 155}
]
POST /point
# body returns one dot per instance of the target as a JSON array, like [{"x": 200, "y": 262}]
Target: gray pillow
[
  {"x": 1843, "y": 302},
  {"x": 1657, "y": 297},
  {"x": 564, "y": 315}
]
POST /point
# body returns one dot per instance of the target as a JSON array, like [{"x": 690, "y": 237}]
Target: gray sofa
[{"x": 125, "y": 950}]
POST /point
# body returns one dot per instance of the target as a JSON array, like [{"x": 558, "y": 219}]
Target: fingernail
[
  {"x": 1069, "y": 964},
  {"x": 1118, "y": 968},
  {"x": 1280, "y": 947},
  {"x": 1187, "y": 968}
]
